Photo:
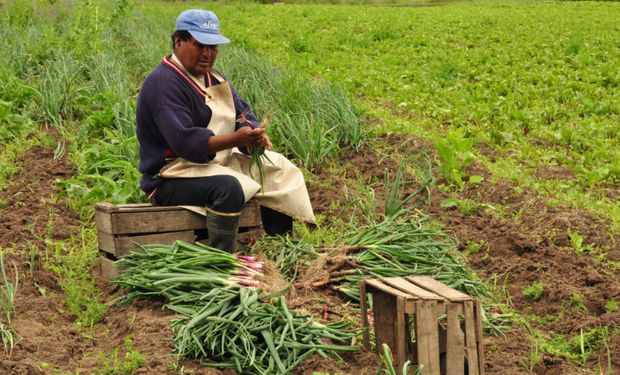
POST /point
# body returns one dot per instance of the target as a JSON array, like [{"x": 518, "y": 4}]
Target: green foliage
[
  {"x": 59, "y": 87},
  {"x": 455, "y": 151},
  {"x": 576, "y": 241},
  {"x": 73, "y": 260},
  {"x": 611, "y": 306},
  {"x": 7, "y": 304},
  {"x": 111, "y": 364},
  {"x": 309, "y": 121},
  {"x": 13, "y": 126},
  {"x": 579, "y": 348},
  {"x": 467, "y": 207},
  {"x": 387, "y": 363},
  {"x": 535, "y": 291},
  {"x": 578, "y": 303}
]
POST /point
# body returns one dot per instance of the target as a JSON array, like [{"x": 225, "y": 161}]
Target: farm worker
[{"x": 195, "y": 136}]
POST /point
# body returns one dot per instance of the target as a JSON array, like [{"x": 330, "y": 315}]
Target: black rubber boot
[
  {"x": 275, "y": 223},
  {"x": 222, "y": 231}
]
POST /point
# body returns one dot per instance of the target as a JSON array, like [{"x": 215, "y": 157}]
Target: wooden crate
[
  {"x": 451, "y": 346},
  {"x": 120, "y": 227}
]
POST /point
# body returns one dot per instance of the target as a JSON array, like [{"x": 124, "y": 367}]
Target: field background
[{"x": 516, "y": 104}]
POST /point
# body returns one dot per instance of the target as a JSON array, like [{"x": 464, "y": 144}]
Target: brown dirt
[{"x": 523, "y": 240}]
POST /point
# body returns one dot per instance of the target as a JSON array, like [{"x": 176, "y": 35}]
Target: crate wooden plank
[
  {"x": 441, "y": 289},
  {"x": 119, "y": 245},
  {"x": 479, "y": 337},
  {"x": 401, "y": 344},
  {"x": 106, "y": 242},
  {"x": 412, "y": 289},
  {"x": 455, "y": 354},
  {"x": 108, "y": 271},
  {"x": 470, "y": 338},
  {"x": 427, "y": 337},
  {"x": 250, "y": 215},
  {"x": 384, "y": 308},
  {"x": 155, "y": 222},
  {"x": 108, "y": 208},
  {"x": 144, "y": 218},
  {"x": 378, "y": 285},
  {"x": 364, "y": 308}
]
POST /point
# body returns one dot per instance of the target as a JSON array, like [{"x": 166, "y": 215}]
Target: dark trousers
[{"x": 221, "y": 193}]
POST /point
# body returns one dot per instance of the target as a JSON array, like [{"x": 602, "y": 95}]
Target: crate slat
[
  {"x": 441, "y": 289},
  {"x": 144, "y": 218},
  {"x": 427, "y": 336},
  {"x": 470, "y": 339},
  {"x": 388, "y": 289},
  {"x": 412, "y": 289},
  {"x": 455, "y": 354},
  {"x": 479, "y": 337},
  {"x": 120, "y": 246}
]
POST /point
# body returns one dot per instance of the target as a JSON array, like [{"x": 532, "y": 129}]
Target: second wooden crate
[{"x": 409, "y": 317}]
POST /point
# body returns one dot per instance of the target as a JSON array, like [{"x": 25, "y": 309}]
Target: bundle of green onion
[
  {"x": 221, "y": 319},
  {"x": 178, "y": 271},
  {"x": 239, "y": 330}
]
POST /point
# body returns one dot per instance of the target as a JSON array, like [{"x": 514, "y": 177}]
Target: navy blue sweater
[{"x": 172, "y": 120}]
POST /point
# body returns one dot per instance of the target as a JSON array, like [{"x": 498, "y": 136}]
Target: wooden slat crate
[
  {"x": 452, "y": 346},
  {"x": 120, "y": 227}
]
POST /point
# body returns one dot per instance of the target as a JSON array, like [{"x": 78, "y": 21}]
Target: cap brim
[{"x": 208, "y": 38}]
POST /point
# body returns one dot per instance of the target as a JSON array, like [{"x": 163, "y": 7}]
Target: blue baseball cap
[{"x": 203, "y": 25}]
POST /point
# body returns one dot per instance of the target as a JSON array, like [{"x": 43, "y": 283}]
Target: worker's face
[{"x": 197, "y": 58}]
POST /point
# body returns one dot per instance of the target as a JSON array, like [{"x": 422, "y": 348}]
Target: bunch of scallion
[
  {"x": 181, "y": 271},
  {"x": 257, "y": 153},
  {"x": 240, "y": 330},
  {"x": 221, "y": 320}
]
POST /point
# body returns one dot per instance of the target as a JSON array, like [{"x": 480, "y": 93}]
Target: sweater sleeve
[{"x": 176, "y": 122}]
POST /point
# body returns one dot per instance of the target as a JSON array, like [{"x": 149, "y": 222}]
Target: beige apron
[{"x": 283, "y": 190}]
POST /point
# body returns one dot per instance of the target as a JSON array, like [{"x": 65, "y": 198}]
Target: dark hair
[{"x": 182, "y": 34}]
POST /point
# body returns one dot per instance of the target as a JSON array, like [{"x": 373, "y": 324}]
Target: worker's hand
[
  {"x": 252, "y": 137},
  {"x": 247, "y": 136}
]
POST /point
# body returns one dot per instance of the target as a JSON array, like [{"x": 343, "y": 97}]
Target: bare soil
[{"x": 521, "y": 241}]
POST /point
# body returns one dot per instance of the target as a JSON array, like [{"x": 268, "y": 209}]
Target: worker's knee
[{"x": 228, "y": 195}]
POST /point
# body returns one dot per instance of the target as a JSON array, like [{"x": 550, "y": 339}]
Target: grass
[
  {"x": 535, "y": 291},
  {"x": 72, "y": 260},
  {"x": 7, "y": 304},
  {"x": 114, "y": 364}
]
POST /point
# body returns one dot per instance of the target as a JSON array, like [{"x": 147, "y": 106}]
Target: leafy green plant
[
  {"x": 72, "y": 260},
  {"x": 59, "y": 87},
  {"x": 535, "y": 291},
  {"x": 395, "y": 201},
  {"x": 467, "y": 207},
  {"x": 578, "y": 303},
  {"x": 534, "y": 357},
  {"x": 7, "y": 303},
  {"x": 611, "y": 306},
  {"x": 579, "y": 348},
  {"x": 576, "y": 241},
  {"x": 455, "y": 149},
  {"x": 111, "y": 364}
]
